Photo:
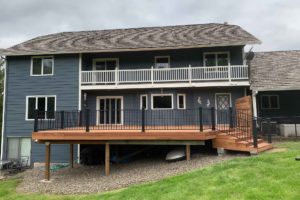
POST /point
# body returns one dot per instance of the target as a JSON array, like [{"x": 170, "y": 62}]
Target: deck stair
[{"x": 239, "y": 141}]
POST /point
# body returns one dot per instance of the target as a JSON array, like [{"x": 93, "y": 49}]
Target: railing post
[
  {"x": 213, "y": 118},
  {"x": 229, "y": 73},
  {"x": 62, "y": 119},
  {"x": 87, "y": 120},
  {"x": 36, "y": 118},
  {"x": 190, "y": 74},
  {"x": 230, "y": 117},
  {"x": 269, "y": 130},
  {"x": 254, "y": 127},
  {"x": 143, "y": 119},
  {"x": 152, "y": 75},
  {"x": 80, "y": 118},
  {"x": 201, "y": 118},
  {"x": 116, "y": 76}
]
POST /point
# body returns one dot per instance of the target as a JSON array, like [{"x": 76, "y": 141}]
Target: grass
[{"x": 267, "y": 176}]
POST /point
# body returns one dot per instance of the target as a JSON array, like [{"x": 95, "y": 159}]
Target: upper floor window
[
  {"x": 45, "y": 104},
  {"x": 42, "y": 66},
  {"x": 105, "y": 63},
  {"x": 270, "y": 102},
  {"x": 216, "y": 59},
  {"x": 162, "y": 62}
]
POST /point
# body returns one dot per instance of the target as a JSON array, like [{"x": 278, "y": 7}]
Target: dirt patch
[
  {"x": 276, "y": 150},
  {"x": 91, "y": 179}
]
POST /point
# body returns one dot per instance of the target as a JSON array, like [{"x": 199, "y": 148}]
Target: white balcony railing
[{"x": 152, "y": 75}]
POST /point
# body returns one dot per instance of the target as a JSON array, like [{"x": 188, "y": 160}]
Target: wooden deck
[{"x": 98, "y": 136}]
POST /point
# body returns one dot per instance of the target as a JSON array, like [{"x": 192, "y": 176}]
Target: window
[
  {"x": 105, "y": 64},
  {"x": 216, "y": 59},
  {"x": 270, "y": 102},
  {"x": 144, "y": 101},
  {"x": 41, "y": 66},
  {"x": 19, "y": 148},
  {"x": 162, "y": 101},
  {"x": 181, "y": 101},
  {"x": 162, "y": 62},
  {"x": 42, "y": 103}
]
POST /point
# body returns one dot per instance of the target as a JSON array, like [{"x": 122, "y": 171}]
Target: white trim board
[
  {"x": 166, "y": 85},
  {"x": 4, "y": 110}
]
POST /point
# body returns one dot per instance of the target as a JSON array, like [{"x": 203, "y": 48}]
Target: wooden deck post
[
  {"x": 47, "y": 160},
  {"x": 188, "y": 152},
  {"x": 107, "y": 159},
  {"x": 71, "y": 155}
]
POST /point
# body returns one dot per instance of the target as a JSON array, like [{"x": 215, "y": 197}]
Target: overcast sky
[{"x": 275, "y": 22}]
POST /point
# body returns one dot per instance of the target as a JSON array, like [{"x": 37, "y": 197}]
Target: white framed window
[
  {"x": 162, "y": 101},
  {"x": 42, "y": 66},
  {"x": 269, "y": 102},
  {"x": 19, "y": 148},
  {"x": 41, "y": 103},
  {"x": 181, "y": 101},
  {"x": 211, "y": 59},
  {"x": 162, "y": 62},
  {"x": 144, "y": 101},
  {"x": 105, "y": 63}
]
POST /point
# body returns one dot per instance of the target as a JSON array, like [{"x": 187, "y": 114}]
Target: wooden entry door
[
  {"x": 109, "y": 110},
  {"x": 223, "y": 103}
]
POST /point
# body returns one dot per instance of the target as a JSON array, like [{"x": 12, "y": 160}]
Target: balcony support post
[
  {"x": 190, "y": 74},
  {"x": 229, "y": 73},
  {"x": 116, "y": 76},
  {"x": 152, "y": 75}
]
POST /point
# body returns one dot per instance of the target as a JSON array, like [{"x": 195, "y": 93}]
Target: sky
[{"x": 275, "y": 22}]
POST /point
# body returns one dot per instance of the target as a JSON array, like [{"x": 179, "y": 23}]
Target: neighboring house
[
  {"x": 110, "y": 72},
  {"x": 275, "y": 84}
]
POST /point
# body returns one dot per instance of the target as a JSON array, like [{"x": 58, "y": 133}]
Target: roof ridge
[{"x": 292, "y": 50}]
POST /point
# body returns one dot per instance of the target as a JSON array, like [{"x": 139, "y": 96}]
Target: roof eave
[{"x": 8, "y": 52}]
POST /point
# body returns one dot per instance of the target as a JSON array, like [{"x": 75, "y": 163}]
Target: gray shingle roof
[
  {"x": 277, "y": 70},
  {"x": 167, "y": 37}
]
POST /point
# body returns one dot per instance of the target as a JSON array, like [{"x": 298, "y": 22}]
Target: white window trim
[
  {"x": 36, "y": 103},
  {"x": 184, "y": 101},
  {"x": 156, "y": 57},
  {"x": 269, "y": 98},
  {"x": 42, "y": 67},
  {"x": 216, "y": 53},
  {"x": 141, "y": 101},
  {"x": 155, "y": 95},
  {"x": 109, "y": 97},
  {"x": 104, "y": 59}
]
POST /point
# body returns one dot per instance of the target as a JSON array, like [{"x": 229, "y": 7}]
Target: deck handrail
[{"x": 162, "y": 75}]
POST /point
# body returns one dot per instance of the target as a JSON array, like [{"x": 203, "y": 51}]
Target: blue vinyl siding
[
  {"x": 64, "y": 84},
  {"x": 131, "y": 101},
  {"x": 178, "y": 58}
]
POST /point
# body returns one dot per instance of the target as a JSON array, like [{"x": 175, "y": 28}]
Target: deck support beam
[
  {"x": 107, "y": 159},
  {"x": 188, "y": 152},
  {"x": 47, "y": 161},
  {"x": 71, "y": 155}
]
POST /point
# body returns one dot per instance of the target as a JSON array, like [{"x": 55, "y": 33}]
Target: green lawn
[{"x": 267, "y": 176}]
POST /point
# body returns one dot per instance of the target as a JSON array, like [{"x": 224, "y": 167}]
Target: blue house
[{"x": 122, "y": 83}]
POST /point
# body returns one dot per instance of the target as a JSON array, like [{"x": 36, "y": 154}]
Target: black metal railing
[
  {"x": 238, "y": 123},
  {"x": 135, "y": 119}
]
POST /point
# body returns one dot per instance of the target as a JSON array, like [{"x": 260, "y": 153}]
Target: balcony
[{"x": 167, "y": 77}]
